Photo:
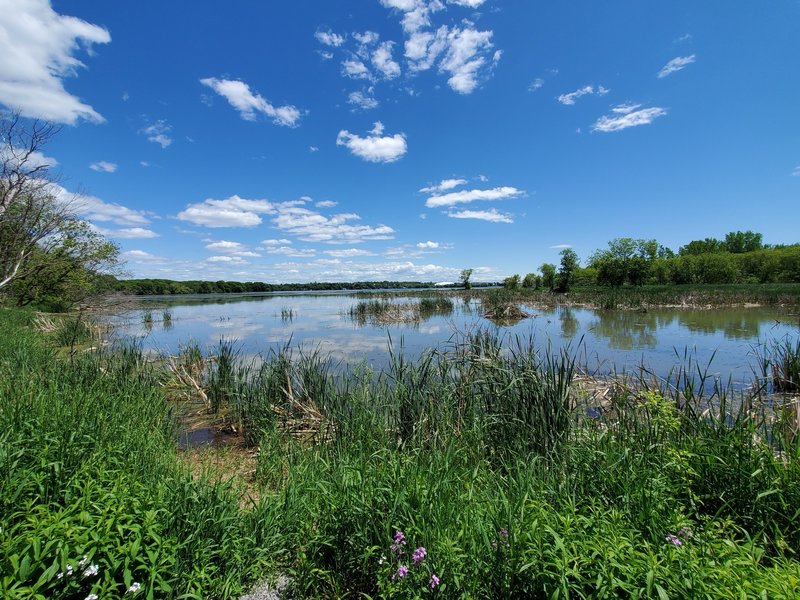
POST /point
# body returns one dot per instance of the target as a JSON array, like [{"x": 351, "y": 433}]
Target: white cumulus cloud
[
  {"x": 311, "y": 226},
  {"x": 37, "y": 52},
  {"x": 250, "y": 104},
  {"x": 329, "y": 38},
  {"x": 362, "y": 100},
  {"x": 230, "y": 212},
  {"x": 632, "y": 118},
  {"x": 465, "y": 57},
  {"x": 383, "y": 62},
  {"x": 132, "y": 233},
  {"x": 355, "y": 69},
  {"x": 463, "y": 53},
  {"x": 676, "y": 64},
  {"x": 374, "y": 147},
  {"x": 466, "y": 196}
]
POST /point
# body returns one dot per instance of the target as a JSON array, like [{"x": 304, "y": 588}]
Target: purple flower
[
  {"x": 503, "y": 533},
  {"x": 401, "y": 572},
  {"x": 418, "y": 555},
  {"x": 135, "y": 587},
  {"x": 399, "y": 542},
  {"x": 673, "y": 539},
  {"x": 434, "y": 581}
]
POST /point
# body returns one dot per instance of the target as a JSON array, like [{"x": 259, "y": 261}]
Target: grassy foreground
[{"x": 471, "y": 473}]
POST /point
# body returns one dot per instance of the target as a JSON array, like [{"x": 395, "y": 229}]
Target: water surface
[{"x": 605, "y": 341}]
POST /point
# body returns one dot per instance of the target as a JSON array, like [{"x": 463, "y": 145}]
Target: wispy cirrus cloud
[
  {"x": 492, "y": 215},
  {"x": 466, "y": 196},
  {"x": 374, "y": 147},
  {"x": 38, "y": 49},
  {"x": 676, "y": 64},
  {"x": 232, "y": 248},
  {"x": 250, "y": 104},
  {"x": 348, "y": 253},
  {"x": 796, "y": 172},
  {"x": 626, "y": 116},
  {"x": 587, "y": 90},
  {"x": 158, "y": 132},
  {"x": 103, "y": 166},
  {"x": 536, "y": 84},
  {"x": 140, "y": 256},
  {"x": 443, "y": 186},
  {"x": 291, "y": 251},
  {"x": 96, "y": 210},
  {"x": 130, "y": 233}
]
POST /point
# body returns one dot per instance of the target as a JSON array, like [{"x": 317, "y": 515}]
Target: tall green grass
[
  {"x": 516, "y": 486},
  {"x": 482, "y": 452},
  {"x": 92, "y": 497}
]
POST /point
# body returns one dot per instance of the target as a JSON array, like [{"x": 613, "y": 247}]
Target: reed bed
[
  {"x": 382, "y": 311},
  {"x": 488, "y": 468}
]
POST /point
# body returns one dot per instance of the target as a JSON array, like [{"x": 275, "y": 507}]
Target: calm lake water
[{"x": 605, "y": 341}]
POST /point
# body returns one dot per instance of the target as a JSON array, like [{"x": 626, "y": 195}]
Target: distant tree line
[
  {"x": 170, "y": 287},
  {"x": 741, "y": 257}
]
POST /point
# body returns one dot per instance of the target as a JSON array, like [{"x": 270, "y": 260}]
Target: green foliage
[
  {"x": 566, "y": 273},
  {"x": 48, "y": 254},
  {"x": 625, "y": 261},
  {"x": 737, "y": 242},
  {"x": 532, "y": 281},
  {"x": 548, "y": 272},
  {"x": 464, "y": 277},
  {"x": 512, "y": 282},
  {"x": 92, "y": 497}
]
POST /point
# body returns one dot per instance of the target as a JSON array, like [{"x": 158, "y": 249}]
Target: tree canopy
[{"x": 48, "y": 253}]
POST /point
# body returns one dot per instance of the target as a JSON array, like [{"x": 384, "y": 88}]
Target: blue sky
[{"x": 409, "y": 139}]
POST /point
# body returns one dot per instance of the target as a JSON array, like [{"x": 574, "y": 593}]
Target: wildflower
[
  {"x": 418, "y": 555},
  {"x": 92, "y": 597},
  {"x": 503, "y": 533},
  {"x": 69, "y": 572},
  {"x": 91, "y": 571},
  {"x": 685, "y": 533},
  {"x": 83, "y": 561},
  {"x": 673, "y": 539},
  {"x": 399, "y": 542},
  {"x": 135, "y": 587},
  {"x": 401, "y": 572},
  {"x": 434, "y": 581},
  {"x": 382, "y": 559}
]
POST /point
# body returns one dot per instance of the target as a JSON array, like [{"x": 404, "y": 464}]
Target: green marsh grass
[
  {"x": 482, "y": 452},
  {"x": 89, "y": 477}
]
